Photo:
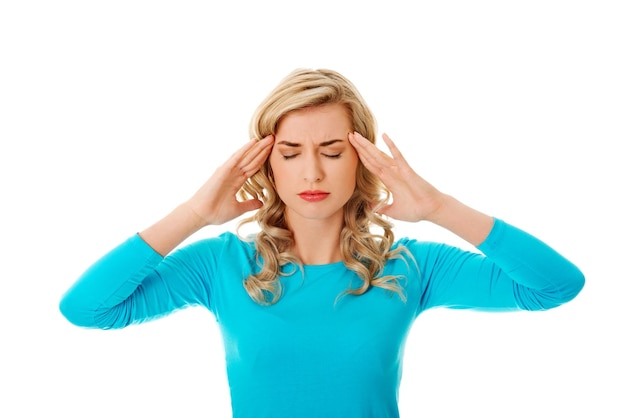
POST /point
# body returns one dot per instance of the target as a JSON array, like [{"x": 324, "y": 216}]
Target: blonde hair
[{"x": 363, "y": 251}]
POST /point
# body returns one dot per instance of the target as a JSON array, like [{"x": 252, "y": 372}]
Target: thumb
[
  {"x": 248, "y": 205},
  {"x": 384, "y": 209}
]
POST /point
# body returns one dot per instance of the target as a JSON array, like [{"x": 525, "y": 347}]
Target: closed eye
[{"x": 333, "y": 156}]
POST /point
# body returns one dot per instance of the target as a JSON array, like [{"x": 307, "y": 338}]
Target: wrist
[
  {"x": 468, "y": 223},
  {"x": 192, "y": 213},
  {"x": 440, "y": 204}
]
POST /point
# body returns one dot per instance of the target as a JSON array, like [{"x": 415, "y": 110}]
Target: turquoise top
[{"x": 311, "y": 354}]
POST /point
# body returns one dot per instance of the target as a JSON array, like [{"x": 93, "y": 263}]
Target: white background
[{"x": 111, "y": 113}]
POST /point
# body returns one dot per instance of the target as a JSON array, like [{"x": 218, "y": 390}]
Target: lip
[{"x": 313, "y": 195}]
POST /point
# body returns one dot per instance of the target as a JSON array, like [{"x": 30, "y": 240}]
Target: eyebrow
[{"x": 321, "y": 144}]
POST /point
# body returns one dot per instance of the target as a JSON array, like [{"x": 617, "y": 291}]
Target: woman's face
[{"x": 313, "y": 163}]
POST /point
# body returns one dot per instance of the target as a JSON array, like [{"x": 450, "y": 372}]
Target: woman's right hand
[{"x": 216, "y": 201}]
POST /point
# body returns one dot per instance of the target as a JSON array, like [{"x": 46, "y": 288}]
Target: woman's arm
[
  {"x": 414, "y": 199},
  {"x": 515, "y": 271},
  {"x": 519, "y": 271},
  {"x": 133, "y": 283},
  {"x": 215, "y": 202}
]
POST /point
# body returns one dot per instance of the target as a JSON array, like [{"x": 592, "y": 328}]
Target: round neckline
[
  {"x": 312, "y": 268},
  {"x": 322, "y": 266}
]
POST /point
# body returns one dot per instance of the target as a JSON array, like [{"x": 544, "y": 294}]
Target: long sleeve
[
  {"x": 304, "y": 355},
  {"x": 515, "y": 271},
  {"x": 132, "y": 283}
]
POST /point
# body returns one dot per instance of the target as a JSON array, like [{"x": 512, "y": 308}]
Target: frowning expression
[{"x": 313, "y": 163}]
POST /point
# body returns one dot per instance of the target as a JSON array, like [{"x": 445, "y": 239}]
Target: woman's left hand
[{"x": 413, "y": 198}]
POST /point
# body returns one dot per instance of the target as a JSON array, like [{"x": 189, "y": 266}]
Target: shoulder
[
  {"x": 212, "y": 254},
  {"x": 416, "y": 247},
  {"x": 226, "y": 242},
  {"x": 430, "y": 253}
]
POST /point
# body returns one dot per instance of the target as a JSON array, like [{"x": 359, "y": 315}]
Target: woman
[{"x": 316, "y": 307}]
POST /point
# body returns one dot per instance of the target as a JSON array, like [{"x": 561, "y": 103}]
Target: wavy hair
[{"x": 364, "y": 251}]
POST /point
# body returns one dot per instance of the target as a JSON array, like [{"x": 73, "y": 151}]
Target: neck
[{"x": 317, "y": 241}]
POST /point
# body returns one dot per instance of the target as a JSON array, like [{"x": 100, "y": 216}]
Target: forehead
[{"x": 328, "y": 117}]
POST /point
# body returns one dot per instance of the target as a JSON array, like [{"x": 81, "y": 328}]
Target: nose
[{"x": 312, "y": 170}]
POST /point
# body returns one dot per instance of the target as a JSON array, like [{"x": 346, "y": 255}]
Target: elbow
[
  {"x": 563, "y": 291},
  {"x": 560, "y": 291},
  {"x": 574, "y": 285},
  {"x": 570, "y": 287},
  {"x": 88, "y": 315},
  {"x": 72, "y": 312}
]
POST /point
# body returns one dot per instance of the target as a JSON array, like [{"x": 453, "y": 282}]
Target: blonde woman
[{"x": 316, "y": 307}]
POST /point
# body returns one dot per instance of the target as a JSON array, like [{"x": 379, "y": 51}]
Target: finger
[
  {"x": 251, "y": 156},
  {"x": 237, "y": 155},
  {"x": 246, "y": 148},
  {"x": 395, "y": 152},
  {"x": 254, "y": 159},
  {"x": 384, "y": 210},
  {"x": 373, "y": 158}
]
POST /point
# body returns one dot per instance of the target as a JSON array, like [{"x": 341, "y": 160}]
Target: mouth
[{"x": 313, "y": 195}]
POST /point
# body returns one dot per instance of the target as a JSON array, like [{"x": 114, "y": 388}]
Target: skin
[
  {"x": 316, "y": 225},
  {"x": 312, "y": 153}
]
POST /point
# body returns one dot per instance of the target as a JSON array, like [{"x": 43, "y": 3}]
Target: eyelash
[{"x": 333, "y": 156}]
